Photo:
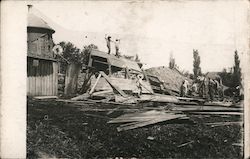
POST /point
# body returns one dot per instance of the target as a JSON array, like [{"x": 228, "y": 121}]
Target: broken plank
[
  {"x": 93, "y": 88},
  {"x": 98, "y": 116},
  {"x": 225, "y": 123},
  {"x": 187, "y": 143},
  {"x": 134, "y": 125},
  {"x": 158, "y": 98},
  {"x": 45, "y": 97},
  {"x": 112, "y": 85},
  {"x": 219, "y": 113},
  {"x": 102, "y": 92}
]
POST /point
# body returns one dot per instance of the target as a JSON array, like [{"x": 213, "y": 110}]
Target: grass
[{"x": 60, "y": 130}]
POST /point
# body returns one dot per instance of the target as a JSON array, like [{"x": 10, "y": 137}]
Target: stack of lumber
[{"x": 141, "y": 119}]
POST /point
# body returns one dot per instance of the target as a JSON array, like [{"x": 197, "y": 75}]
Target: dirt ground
[{"x": 66, "y": 130}]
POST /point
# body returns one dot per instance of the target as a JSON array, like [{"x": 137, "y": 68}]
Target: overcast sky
[{"x": 153, "y": 30}]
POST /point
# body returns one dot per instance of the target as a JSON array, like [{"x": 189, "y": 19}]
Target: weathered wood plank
[
  {"x": 93, "y": 88},
  {"x": 134, "y": 125},
  {"x": 115, "y": 87}
]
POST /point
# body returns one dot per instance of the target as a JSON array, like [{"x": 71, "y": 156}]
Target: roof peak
[{"x": 37, "y": 22}]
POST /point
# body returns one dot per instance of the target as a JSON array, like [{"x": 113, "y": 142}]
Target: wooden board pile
[{"x": 141, "y": 119}]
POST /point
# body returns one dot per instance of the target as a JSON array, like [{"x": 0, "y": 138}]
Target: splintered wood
[{"x": 141, "y": 119}]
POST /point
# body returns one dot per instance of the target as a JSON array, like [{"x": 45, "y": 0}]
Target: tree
[
  {"x": 70, "y": 54},
  {"x": 196, "y": 64},
  {"x": 86, "y": 52},
  {"x": 171, "y": 61},
  {"x": 236, "y": 70}
]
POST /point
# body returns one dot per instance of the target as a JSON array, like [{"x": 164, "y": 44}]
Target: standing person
[
  {"x": 139, "y": 84},
  {"x": 211, "y": 84},
  {"x": 108, "y": 40},
  {"x": 117, "y": 43}
]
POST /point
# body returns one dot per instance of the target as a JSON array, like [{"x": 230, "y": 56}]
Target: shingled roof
[
  {"x": 171, "y": 78},
  {"x": 36, "y": 22}
]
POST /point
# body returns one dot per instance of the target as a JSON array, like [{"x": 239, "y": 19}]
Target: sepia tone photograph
[{"x": 136, "y": 79}]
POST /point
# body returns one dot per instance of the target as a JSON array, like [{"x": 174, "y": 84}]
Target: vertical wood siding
[{"x": 42, "y": 79}]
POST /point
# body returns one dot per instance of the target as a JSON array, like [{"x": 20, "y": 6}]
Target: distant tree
[
  {"x": 70, "y": 54},
  {"x": 86, "y": 52},
  {"x": 171, "y": 61},
  {"x": 196, "y": 64},
  {"x": 236, "y": 70}
]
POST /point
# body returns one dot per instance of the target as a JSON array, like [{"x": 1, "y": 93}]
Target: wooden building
[
  {"x": 122, "y": 72},
  {"x": 42, "y": 67}
]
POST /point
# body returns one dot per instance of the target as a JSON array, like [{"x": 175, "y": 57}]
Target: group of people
[
  {"x": 203, "y": 87},
  {"x": 116, "y": 42}
]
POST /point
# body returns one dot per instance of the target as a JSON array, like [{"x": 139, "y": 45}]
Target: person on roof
[
  {"x": 108, "y": 40},
  {"x": 117, "y": 43}
]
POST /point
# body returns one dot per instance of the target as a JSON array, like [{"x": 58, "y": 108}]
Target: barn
[{"x": 42, "y": 67}]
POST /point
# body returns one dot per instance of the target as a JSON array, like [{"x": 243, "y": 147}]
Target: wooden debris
[
  {"x": 84, "y": 96},
  {"x": 98, "y": 116},
  {"x": 45, "y": 97},
  {"x": 187, "y": 143},
  {"x": 219, "y": 113},
  {"x": 238, "y": 144},
  {"x": 158, "y": 98},
  {"x": 141, "y": 119},
  {"x": 150, "y": 138},
  {"x": 112, "y": 85},
  {"x": 191, "y": 99},
  {"x": 225, "y": 104},
  {"x": 121, "y": 99},
  {"x": 205, "y": 108},
  {"x": 93, "y": 88},
  {"x": 102, "y": 92},
  {"x": 224, "y": 123},
  {"x": 147, "y": 122}
]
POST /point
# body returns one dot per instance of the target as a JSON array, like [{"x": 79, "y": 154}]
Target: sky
[{"x": 154, "y": 30}]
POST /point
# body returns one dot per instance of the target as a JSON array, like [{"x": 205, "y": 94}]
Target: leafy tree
[
  {"x": 86, "y": 52},
  {"x": 72, "y": 54},
  {"x": 196, "y": 64}
]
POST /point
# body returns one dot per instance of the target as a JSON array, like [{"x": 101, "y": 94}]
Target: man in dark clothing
[
  {"x": 211, "y": 90},
  {"x": 108, "y": 40}
]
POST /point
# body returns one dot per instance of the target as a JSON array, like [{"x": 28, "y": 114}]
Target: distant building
[{"x": 42, "y": 68}]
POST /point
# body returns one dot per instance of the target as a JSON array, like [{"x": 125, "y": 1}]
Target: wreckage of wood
[
  {"x": 147, "y": 122},
  {"x": 93, "y": 88},
  {"x": 112, "y": 85}
]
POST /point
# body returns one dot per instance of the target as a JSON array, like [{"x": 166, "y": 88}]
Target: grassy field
[{"x": 63, "y": 130}]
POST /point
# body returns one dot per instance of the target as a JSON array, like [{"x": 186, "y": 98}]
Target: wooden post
[
  {"x": 71, "y": 78},
  {"x": 93, "y": 88}
]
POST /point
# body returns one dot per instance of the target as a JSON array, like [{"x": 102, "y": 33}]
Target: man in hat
[{"x": 108, "y": 40}]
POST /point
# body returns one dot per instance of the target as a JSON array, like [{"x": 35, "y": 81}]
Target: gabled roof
[
  {"x": 120, "y": 62},
  {"x": 36, "y": 22},
  {"x": 171, "y": 78}
]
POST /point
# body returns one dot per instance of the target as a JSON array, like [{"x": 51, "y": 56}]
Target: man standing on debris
[
  {"x": 139, "y": 84},
  {"x": 117, "y": 43},
  {"x": 184, "y": 88},
  {"x": 108, "y": 40},
  {"x": 211, "y": 84}
]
